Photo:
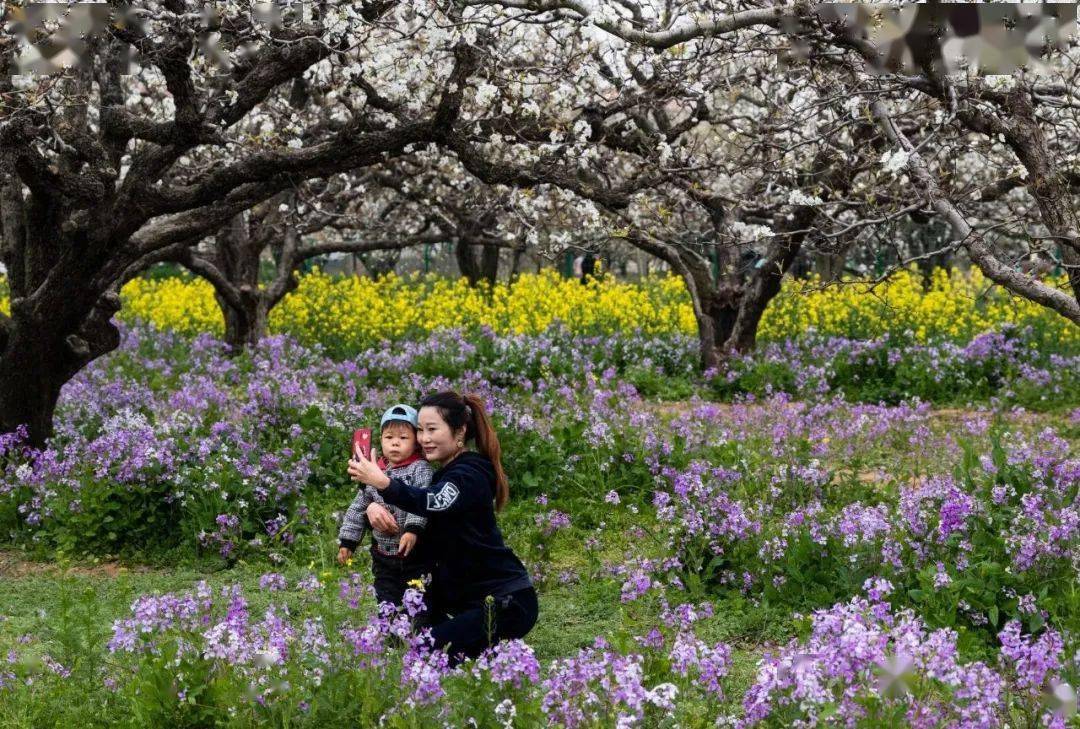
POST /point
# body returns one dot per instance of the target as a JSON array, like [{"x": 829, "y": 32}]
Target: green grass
[
  {"x": 67, "y": 610},
  {"x": 32, "y": 603}
]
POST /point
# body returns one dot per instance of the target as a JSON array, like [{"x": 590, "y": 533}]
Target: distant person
[{"x": 588, "y": 268}]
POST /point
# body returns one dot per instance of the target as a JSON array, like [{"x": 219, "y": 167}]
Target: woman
[{"x": 481, "y": 592}]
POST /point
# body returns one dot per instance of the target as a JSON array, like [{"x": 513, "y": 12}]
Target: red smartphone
[{"x": 361, "y": 442}]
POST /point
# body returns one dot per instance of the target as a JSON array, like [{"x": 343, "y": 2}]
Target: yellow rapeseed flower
[{"x": 350, "y": 312}]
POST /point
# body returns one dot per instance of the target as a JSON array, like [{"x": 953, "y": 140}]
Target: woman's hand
[
  {"x": 366, "y": 470},
  {"x": 381, "y": 519}
]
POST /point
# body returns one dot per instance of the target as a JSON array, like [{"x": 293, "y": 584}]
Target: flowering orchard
[
  {"x": 870, "y": 521},
  {"x": 771, "y": 561}
]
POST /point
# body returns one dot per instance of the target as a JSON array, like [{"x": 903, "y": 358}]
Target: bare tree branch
[
  {"x": 1013, "y": 280},
  {"x": 659, "y": 39}
]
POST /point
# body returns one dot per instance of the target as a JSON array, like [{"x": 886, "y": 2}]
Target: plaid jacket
[{"x": 418, "y": 474}]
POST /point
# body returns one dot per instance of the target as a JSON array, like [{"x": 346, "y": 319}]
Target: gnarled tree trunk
[
  {"x": 53, "y": 331},
  {"x": 1047, "y": 185},
  {"x": 246, "y": 325},
  {"x": 475, "y": 271},
  {"x": 729, "y": 308},
  {"x": 237, "y": 256}
]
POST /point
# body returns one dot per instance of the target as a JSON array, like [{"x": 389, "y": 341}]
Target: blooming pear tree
[
  {"x": 101, "y": 169},
  {"x": 701, "y": 157},
  {"x": 805, "y": 81},
  {"x": 314, "y": 219}
]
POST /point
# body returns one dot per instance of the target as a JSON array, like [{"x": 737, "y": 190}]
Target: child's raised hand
[{"x": 406, "y": 543}]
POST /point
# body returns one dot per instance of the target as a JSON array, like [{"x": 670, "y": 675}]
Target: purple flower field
[{"x": 800, "y": 554}]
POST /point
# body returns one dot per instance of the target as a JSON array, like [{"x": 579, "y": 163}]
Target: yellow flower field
[
  {"x": 955, "y": 306},
  {"x": 362, "y": 310},
  {"x": 352, "y": 311}
]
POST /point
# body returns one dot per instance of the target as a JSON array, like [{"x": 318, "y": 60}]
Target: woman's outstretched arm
[{"x": 458, "y": 493}]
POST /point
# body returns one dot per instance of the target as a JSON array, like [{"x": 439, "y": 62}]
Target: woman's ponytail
[
  {"x": 487, "y": 442},
  {"x": 469, "y": 410}
]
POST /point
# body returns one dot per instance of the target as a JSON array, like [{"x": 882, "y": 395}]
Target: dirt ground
[{"x": 14, "y": 565}]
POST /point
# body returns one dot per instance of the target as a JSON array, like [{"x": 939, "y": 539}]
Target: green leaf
[{"x": 311, "y": 418}]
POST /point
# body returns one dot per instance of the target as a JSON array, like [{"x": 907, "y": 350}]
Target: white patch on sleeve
[{"x": 443, "y": 498}]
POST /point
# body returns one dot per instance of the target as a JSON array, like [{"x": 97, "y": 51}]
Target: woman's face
[{"x": 438, "y": 442}]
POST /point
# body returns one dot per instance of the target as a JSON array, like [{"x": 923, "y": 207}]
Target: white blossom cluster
[
  {"x": 893, "y": 161},
  {"x": 750, "y": 232},
  {"x": 798, "y": 197}
]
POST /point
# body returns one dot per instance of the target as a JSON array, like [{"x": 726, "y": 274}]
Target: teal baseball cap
[{"x": 400, "y": 412}]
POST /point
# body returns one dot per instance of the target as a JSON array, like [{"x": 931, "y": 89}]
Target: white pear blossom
[
  {"x": 894, "y": 161},
  {"x": 749, "y": 232},
  {"x": 486, "y": 93},
  {"x": 853, "y": 105},
  {"x": 582, "y": 130},
  {"x": 665, "y": 152},
  {"x": 798, "y": 197},
  {"x": 1001, "y": 82}
]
